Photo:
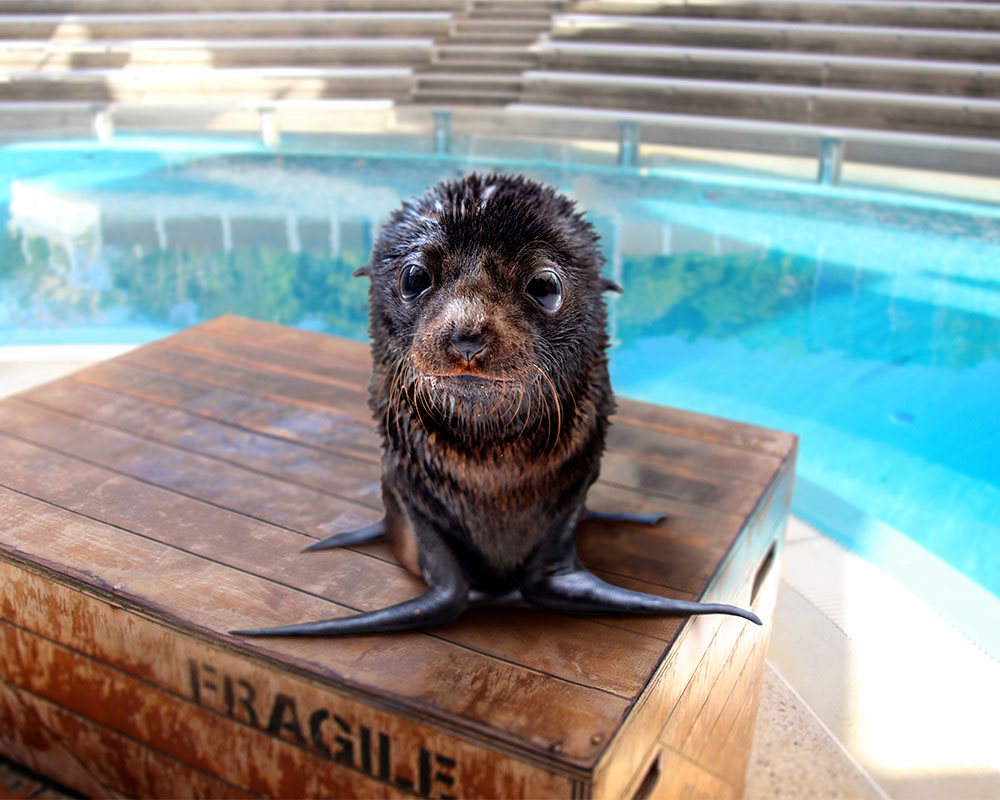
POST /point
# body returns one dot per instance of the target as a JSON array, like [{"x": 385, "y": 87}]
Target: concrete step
[
  {"x": 206, "y": 85},
  {"x": 479, "y": 67},
  {"x": 533, "y": 11},
  {"x": 26, "y": 55},
  {"x": 524, "y": 28},
  {"x": 882, "y": 110},
  {"x": 792, "y": 36},
  {"x": 218, "y": 25},
  {"x": 515, "y": 7},
  {"x": 968, "y": 79},
  {"x": 491, "y": 52},
  {"x": 461, "y": 82},
  {"x": 471, "y": 97},
  {"x": 215, "y": 6},
  {"x": 903, "y": 13},
  {"x": 474, "y": 39}
]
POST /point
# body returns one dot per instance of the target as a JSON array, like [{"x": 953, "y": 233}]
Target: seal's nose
[{"x": 467, "y": 345}]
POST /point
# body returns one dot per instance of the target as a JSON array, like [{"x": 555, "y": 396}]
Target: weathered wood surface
[{"x": 152, "y": 503}]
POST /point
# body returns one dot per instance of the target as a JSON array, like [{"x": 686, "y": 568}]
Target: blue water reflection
[{"x": 868, "y": 325}]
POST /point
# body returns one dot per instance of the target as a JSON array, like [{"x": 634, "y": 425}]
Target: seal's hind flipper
[
  {"x": 436, "y": 607},
  {"x": 344, "y": 538},
  {"x": 581, "y": 592},
  {"x": 639, "y": 519}
]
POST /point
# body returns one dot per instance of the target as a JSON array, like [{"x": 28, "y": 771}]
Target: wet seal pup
[{"x": 491, "y": 393}]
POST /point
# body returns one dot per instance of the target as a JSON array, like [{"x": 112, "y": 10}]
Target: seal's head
[{"x": 487, "y": 316}]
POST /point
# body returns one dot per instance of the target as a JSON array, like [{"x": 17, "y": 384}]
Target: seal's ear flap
[
  {"x": 362, "y": 272},
  {"x": 608, "y": 285}
]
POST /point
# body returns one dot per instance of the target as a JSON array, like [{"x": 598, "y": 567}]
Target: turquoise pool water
[{"x": 867, "y": 323}]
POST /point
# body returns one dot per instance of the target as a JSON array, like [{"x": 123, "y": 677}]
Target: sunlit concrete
[{"x": 908, "y": 696}]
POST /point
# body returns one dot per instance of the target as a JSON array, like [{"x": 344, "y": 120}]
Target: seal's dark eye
[
  {"x": 546, "y": 289},
  {"x": 414, "y": 281}
]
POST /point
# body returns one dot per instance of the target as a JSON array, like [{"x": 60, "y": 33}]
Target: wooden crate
[{"x": 151, "y": 503}]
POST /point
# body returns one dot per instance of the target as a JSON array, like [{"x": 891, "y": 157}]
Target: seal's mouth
[
  {"x": 469, "y": 379},
  {"x": 471, "y": 386}
]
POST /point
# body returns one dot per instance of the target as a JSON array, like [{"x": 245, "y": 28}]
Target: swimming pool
[{"x": 866, "y": 322}]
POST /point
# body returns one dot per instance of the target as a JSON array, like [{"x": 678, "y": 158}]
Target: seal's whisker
[
  {"x": 502, "y": 395},
  {"x": 558, "y": 406},
  {"x": 520, "y": 398},
  {"x": 528, "y": 414}
]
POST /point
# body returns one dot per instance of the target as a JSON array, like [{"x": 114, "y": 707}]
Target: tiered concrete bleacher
[
  {"x": 68, "y": 55},
  {"x": 486, "y": 52},
  {"x": 921, "y": 68},
  {"x": 923, "y": 72}
]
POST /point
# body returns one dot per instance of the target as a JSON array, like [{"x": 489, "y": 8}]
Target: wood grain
[{"x": 152, "y": 503}]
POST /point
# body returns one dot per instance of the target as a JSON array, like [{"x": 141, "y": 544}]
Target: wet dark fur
[
  {"x": 492, "y": 410},
  {"x": 523, "y": 450}
]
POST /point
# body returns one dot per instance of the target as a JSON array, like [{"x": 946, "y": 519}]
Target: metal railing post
[
  {"x": 102, "y": 124},
  {"x": 628, "y": 143},
  {"x": 831, "y": 159},
  {"x": 270, "y": 134},
  {"x": 442, "y": 132}
]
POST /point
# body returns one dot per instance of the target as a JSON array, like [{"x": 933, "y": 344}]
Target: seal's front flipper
[
  {"x": 446, "y": 597},
  {"x": 436, "y": 607},
  {"x": 581, "y": 592},
  {"x": 640, "y": 519},
  {"x": 344, "y": 538}
]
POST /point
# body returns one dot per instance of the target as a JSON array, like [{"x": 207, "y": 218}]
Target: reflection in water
[{"x": 871, "y": 329}]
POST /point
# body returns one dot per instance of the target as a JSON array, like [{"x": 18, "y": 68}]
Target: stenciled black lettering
[
  {"x": 384, "y": 757},
  {"x": 424, "y": 772},
  {"x": 207, "y": 684},
  {"x": 316, "y": 720},
  {"x": 230, "y": 696},
  {"x": 247, "y": 701},
  {"x": 440, "y": 776},
  {"x": 199, "y": 682},
  {"x": 345, "y": 753},
  {"x": 366, "y": 750},
  {"x": 195, "y": 680},
  {"x": 285, "y": 717}
]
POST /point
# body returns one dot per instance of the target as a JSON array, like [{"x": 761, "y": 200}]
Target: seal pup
[{"x": 491, "y": 393}]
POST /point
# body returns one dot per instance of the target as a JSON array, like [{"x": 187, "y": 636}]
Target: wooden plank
[
  {"x": 155, "y": 502},
  {"x": 734, "y": 582},
  {"x": 17, "y": 783},
  {"x": 681, "y": 564},
  {"x": 703, "y": 427},
  {"x": 279, "y": 349},
  {"x": 27, "y": 741},
  {"x": 108, "y": 758},
  {"x": 331, "y": 473},
  {"x": 676, "y": 423},
  {"x": 324, "y": 429},
  {"x": 308, "y": 393},
  {"x": 282, "y": 738},
  {"x": 414, "y": 673},
  {"x": 152, "y": 470},
  {"x": 686, "y": 453},
  {"x": 727, "y": 750},
  {"x": 617, "y": 662},
  {"x": 681, "y": 777},
  {"x": 251, "y": 342},
  {"x": 653, "y": 476},
  {"x": 82, "y": 485},
  {"x": 292, "y": 340}
]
